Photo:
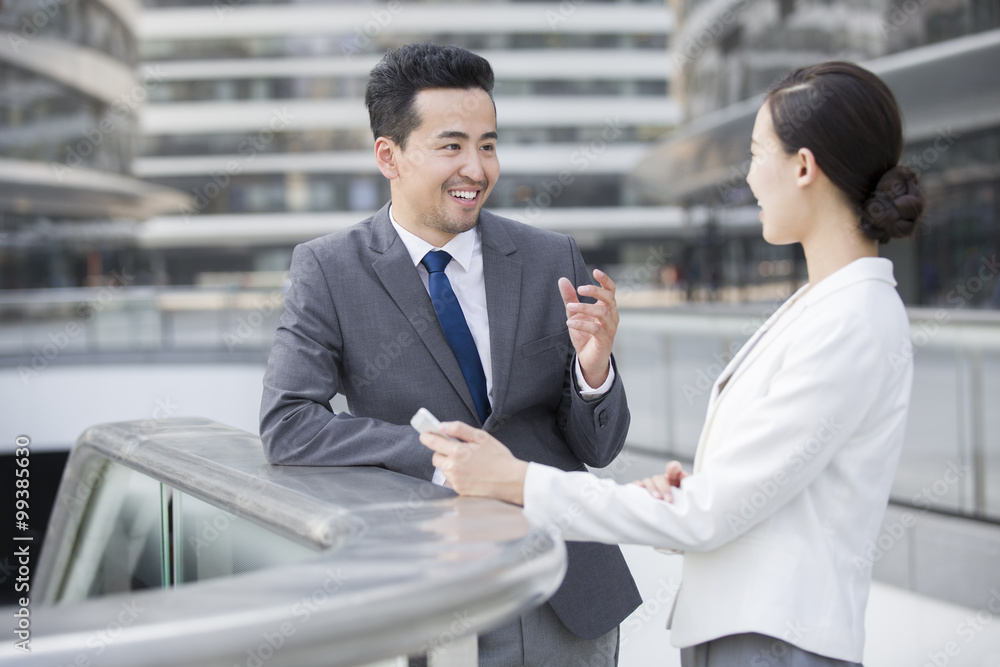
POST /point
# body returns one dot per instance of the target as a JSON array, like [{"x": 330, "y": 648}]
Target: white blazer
[{"x": 791, "y": 477}]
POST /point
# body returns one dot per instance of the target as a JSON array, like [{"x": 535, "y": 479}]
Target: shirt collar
[{"x": 461, "y": 248}]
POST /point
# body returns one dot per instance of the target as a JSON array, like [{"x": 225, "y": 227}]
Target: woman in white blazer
[{"x": 804, "y": 427}]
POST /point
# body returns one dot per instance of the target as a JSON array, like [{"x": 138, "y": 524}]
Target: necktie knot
[{"x": 435, "y": 261}]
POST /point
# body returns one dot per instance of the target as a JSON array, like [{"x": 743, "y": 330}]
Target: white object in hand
[{"x": 424, "y": 421}]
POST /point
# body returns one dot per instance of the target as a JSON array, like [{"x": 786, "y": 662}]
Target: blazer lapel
[
  {"x": 502, "y": 275},
  {"x": 399, "y": 276},
  {"x": 749, "y": 353},
  {"x": 736, "y": 362}
]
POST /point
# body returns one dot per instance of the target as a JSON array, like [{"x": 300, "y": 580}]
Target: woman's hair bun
[{"x": 892, "y": 210}]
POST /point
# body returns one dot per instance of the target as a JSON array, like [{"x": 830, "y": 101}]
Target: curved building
[
  {"x": 260, "y": 117},
  {"x": 68, "y": 117},
  {"x": 940, "y": 58}
]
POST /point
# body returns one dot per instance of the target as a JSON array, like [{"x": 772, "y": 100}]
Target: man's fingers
[
  {"x": 595, "y": 310},
  {"x": 567, "y": 291},
  {"x": 605, "y": 280},
  {"x": 604, "y": 291}
]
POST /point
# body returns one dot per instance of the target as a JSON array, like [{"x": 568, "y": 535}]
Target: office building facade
[
  {"x": 70, "y": 95},
  {"x": 260, "y": 118},
  {"x": 940, "y": 60}
]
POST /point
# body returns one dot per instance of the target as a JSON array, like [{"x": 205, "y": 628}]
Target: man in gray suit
[{"x": 492, "y": 334}]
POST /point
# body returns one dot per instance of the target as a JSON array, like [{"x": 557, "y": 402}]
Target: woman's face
[{"x": 772, "y": 179}]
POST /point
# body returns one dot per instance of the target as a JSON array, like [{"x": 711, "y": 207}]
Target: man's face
[{"x": 449, "y": 166}]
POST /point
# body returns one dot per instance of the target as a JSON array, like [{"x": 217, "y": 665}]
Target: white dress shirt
[{"x": 465, "y": 273}]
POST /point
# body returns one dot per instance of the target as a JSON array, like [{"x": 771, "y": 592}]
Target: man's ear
[
  {"x": 386, "y": 155},
  {"x": 807, "y": 170}
]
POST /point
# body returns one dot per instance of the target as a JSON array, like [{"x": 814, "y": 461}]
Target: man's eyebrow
[{"x": 458, "y": 134}]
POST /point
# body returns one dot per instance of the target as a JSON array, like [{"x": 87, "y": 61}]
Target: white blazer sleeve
[{"x": 831, "y": 378}]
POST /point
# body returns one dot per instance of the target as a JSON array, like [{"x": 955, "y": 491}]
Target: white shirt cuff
[
  {"x": 438, "y": 477},
  {"x": 536, "y": 480},
  {"x": 588, "y": 392}
]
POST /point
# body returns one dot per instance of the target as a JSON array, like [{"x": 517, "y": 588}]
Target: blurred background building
[
  {"x": 70, "y": 96},
  {"x": 938, "y": 56},
  {"x": 260, "y": 117}
]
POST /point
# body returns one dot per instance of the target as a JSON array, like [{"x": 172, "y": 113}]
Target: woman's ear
[
  {"x": 807, "y": 170},
  {"x": 386, "y": 151}
]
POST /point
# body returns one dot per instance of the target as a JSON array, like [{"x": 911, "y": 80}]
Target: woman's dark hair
[
  {"x": 850, "y": 121},
  {"x": 395, "y": 81}
]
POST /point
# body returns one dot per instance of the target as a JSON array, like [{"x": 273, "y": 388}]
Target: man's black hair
[{"x": 395, "y": 81}]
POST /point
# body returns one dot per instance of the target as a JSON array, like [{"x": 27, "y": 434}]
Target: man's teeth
[{"x": 463, "y": 194}]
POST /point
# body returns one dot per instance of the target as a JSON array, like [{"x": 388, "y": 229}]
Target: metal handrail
[{"x": 410, "y": 558}]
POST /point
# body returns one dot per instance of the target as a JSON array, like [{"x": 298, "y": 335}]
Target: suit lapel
[
  {"x": 748, "y": 354},
  {"x": 399, "y": 276},
  {"x": 502, "y": 275},
  {"x": 750, "y": 346}
]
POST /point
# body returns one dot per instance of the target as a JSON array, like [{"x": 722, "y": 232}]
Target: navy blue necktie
[{"x": 456, "y": 329}]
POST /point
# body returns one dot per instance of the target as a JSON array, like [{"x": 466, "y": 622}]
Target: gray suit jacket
[{"x": 358, "y": 321}]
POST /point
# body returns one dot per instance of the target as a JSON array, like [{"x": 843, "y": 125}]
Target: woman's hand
[
  {"x": 659, "y": 485},
  {"x": 478, "y": 465}
]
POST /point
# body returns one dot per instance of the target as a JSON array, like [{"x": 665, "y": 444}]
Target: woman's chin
[{"x": 777, "y": 236}]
